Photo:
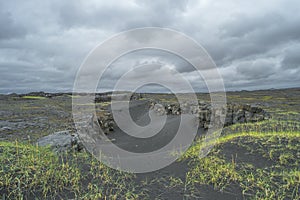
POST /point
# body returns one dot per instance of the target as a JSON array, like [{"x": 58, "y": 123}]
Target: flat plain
[{"x": 258, "y": 160}]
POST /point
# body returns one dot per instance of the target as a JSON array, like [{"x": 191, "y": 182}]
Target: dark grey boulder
[{"x": 61, "y": 141}]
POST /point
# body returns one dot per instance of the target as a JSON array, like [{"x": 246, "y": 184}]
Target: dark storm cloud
[{"x": 255, "y": 44}]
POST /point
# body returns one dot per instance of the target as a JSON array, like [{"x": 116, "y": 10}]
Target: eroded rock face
[
  {"x": 64, "y": 141},
  {"x": 245, "y": 113},
  {"x": 235, "y": 113},
  {"x": 106, "y": 121}
]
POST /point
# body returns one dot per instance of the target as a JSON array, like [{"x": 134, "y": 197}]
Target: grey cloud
[
  {"x": 257, "y": 69},
  {"x": 43, "y": 43},
  {"x": 292, "y": 58},
  {"x": 120, "y": 15},
  {"x": 9, "y": 28},
  {"x": 244, "y": 35},
  {"x": 275, "y": 79},
  {"x": 153, "y": 61},
  {"x": 241, "y": 25}
]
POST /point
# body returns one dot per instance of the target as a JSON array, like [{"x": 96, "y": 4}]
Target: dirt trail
[{"x": 139, "y": 113}]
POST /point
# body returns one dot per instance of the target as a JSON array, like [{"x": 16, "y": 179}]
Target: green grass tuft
[
  {"x": 31, "y": 172},
  {"x": 33, "y": 97},
  {"x": 280, "y": 180}
]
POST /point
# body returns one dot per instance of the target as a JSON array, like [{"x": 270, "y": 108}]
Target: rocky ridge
[{"x": 235, "y": 113}]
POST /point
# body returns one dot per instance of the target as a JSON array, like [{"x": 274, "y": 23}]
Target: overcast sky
[{"x": 255, "y": 44}]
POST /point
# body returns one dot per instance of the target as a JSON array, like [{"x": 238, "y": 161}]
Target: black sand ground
[
  {"x": 139, "y": 113},
  {"x": 30, "y": 119}
]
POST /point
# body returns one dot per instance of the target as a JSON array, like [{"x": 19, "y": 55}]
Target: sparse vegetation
[
  {"x": 253, "y": 160},
  {"x": 37, "y": 173},
  {"x": 279, "y": 180}
]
